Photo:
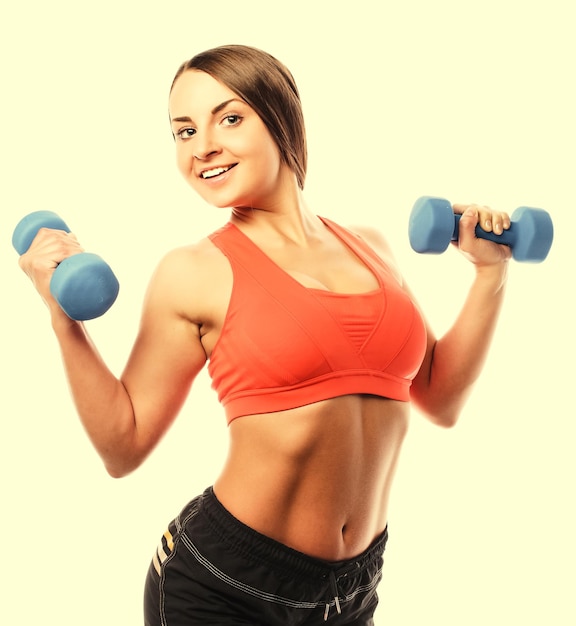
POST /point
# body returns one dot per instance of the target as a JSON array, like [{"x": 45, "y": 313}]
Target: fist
[
  {"x": 476, "y": 250},
  {"x": 49, "y": 248}
]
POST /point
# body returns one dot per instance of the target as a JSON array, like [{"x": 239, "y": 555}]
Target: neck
[{"x": 286, "y": 218}]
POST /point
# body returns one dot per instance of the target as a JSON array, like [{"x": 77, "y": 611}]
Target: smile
[{"x": 216, "y": 171}]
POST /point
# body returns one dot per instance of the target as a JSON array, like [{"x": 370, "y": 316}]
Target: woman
[{"x": 316, "y": 349}]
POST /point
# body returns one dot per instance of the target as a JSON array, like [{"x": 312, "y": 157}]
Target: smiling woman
[
  {"x": 223, "y": 148},
  {"x": 316, "y": 348},
  {"x": 268, "y": 87}
]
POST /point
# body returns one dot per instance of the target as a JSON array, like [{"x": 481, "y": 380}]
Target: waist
[{"x": 250, "y": 543}]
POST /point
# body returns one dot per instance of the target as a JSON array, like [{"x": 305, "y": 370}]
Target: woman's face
[{"x": 223, "y": 148}]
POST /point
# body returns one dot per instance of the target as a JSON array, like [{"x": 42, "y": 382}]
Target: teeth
[{"x": 215, "y": 172}]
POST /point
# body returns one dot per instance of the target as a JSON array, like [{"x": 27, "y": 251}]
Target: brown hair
[{"x": 268, "y": 87}]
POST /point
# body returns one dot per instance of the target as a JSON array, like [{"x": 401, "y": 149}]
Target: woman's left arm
[{"x": 453, "y": 362}]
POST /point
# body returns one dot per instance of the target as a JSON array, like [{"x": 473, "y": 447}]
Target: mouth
[{"x": 216, "y": 171}]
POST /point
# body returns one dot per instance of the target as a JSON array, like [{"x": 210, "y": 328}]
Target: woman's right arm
[{"x": 125, "y": 417}]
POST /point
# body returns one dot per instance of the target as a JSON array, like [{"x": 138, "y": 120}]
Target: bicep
[
  {"x": 164, "y": 361},
  {"x": 424, "y": 394}
]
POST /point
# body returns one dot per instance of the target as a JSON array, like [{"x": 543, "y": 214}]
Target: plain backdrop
[{"x": 472, "y": 101}]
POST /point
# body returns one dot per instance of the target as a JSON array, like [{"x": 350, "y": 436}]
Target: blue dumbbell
[
  {"x": 433, "y": 225},
  {"x": 82, "y": 284}
]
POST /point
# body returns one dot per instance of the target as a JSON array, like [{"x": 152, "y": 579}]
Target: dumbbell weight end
[
  {"x": 28, "y": 227},
  {"x": 84, "y": 286}
]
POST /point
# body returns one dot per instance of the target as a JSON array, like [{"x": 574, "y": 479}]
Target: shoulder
[
  {"x": 186, "y": 258},
  {"x": 180, "y": 263},
  {"x": 379, "y": 244},
  {"x": 185, "y": 278},
  {"x": 371, "y": 236}
]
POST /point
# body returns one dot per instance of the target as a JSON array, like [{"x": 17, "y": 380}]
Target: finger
[
  {"x": 494, "y": 221},
  {"x": 74, "y": 243},
  {"x": 500, "y": 222},
  {"x": 469, "y": 218},
  {"x": 460, "y": 208},
  {"x": 486, "y": 218},
  {"x": 489, "y": 220},
  {"x": 467, "y": 227},
  {"x": 50, "y": 239}
]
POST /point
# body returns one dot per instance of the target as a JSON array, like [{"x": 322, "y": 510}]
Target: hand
[
  {"x": 482, "y": 252},
  {"x": 49, "y": 248}
]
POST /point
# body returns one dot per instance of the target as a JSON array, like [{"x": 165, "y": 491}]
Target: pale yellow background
[{"x": 473, "y": 101}]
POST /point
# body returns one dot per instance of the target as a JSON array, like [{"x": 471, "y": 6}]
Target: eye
[
  {"x": 231, "y": 120},
  {"x": 185, "y": 133}
]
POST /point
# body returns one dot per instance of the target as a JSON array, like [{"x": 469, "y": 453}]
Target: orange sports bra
[{"x": 284, "y": 345}]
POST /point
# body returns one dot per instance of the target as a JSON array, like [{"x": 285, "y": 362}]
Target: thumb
[{"x": 468, "y": 223}]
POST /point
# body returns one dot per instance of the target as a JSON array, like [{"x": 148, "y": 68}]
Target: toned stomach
[{"x": 316, "y": 478}]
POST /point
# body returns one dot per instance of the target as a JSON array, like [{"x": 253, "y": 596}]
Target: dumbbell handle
[
  {"x": 433, "y": 225},
  {"x": 506, "y": 237}
]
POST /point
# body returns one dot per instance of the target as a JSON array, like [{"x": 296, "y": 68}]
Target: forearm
[
  {"x": 102, "y": 402},
  {"x": 458, "y": 357}
]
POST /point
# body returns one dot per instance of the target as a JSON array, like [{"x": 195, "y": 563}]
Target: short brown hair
[{"x": 268, "y": 87}]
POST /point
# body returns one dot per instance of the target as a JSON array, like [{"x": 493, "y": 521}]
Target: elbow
[
  {"x": 440, "y": 415},
  {"x": 116, "y": 472},
  {"x": 442, "y": 408},
  {"x": 122, "y": 455},
  {"x": 120, "y": 468},
  {"x": 445, "y": 420}
]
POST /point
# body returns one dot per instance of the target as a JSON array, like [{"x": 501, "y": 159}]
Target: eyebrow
[{"x": 215, "y": 110}]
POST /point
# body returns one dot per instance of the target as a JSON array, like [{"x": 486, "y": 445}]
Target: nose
[{"x": 204, "y": 146}]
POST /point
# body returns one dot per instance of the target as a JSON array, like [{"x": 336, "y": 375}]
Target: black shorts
[{"x": 210, "y": 569}]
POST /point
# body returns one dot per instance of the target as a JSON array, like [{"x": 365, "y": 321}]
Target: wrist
[
  {"x": 61, "y": 323},
  {"x": 495, "y": 274}
]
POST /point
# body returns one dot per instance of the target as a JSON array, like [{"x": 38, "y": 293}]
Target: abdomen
[{"x": 316, "y": 478}]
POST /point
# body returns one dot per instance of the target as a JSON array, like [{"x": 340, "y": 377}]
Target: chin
[
  {"x": 231, "y": 202},
  {"x": 227, "y": 198}
]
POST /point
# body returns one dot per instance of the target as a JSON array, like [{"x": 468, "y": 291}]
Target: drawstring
[{"x": 334, "y": 591}]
